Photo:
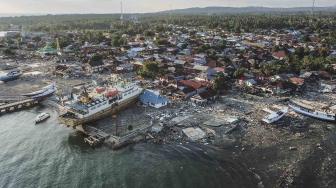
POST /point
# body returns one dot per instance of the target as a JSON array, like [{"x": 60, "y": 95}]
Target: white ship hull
[
  {"x": 100, "y": 111},
  {"x": 314, "y": 114}
]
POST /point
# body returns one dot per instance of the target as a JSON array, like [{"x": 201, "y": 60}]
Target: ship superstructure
[{"x": 99, "y": 102}]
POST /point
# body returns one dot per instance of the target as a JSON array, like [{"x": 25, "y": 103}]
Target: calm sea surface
[{"x": 49, "y": 155}]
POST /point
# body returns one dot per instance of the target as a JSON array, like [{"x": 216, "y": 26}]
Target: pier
[
  {"x": 7, "y": 99},
  {"x": 18, "y": 105},
  {"x": 97, "y": 137}
]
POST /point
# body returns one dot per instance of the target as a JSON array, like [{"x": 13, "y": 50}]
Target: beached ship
[
  {"x": 43, "y": 93},
  {"x": 274, "y": 116},
  {"x": 87, "y": 108},
  {"x": 11, "y": 75},
  {"x": 314, "y": 110}
]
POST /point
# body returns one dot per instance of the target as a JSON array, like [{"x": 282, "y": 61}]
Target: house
[
  {"x": 247, "y": 82},
  {"x": 198, "y": 86},
  {"x": 201, "y": 68},
  {"x": 47, "y": 50},
  {"x": 133, "y": 52},
  {"x": 299, "y": 83},
  {"x": 153, "y": 99},
  {"x": 200, "y": 59},
  {"x": 204, "y": 97},
  {"x": 279, "y": 55},
  {"x": 95, "y": 66},
  {"x": 250, "y": 82},
  {"x": 327, "y": 87},
  {"x": 333, "y": 54},
  {"x": 126, "y": 67}
]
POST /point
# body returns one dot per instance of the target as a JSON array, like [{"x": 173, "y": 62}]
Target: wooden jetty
[{"x": 18, "y": 105}]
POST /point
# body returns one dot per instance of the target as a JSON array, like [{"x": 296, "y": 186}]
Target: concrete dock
[{"x": 19, "y": 105}]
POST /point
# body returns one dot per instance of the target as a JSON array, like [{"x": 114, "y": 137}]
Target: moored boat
[
  {"x": 314, "y": 110},
  {"x": 42, "y": 117}
]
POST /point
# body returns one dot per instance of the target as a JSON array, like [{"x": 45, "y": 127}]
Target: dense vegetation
[
  {"x": 238, "y": 23},
  {"x": 94, "y": 28}
]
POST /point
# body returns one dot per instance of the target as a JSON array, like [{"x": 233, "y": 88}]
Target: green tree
[
  {"x": 240, "y": 72},
  {"x": 150, "y": 70},
  {"x": 220, "y": 83}
]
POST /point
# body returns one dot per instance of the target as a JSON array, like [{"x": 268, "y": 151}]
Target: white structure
[
  {"x": 274, "y": 116},
  {"x": 305, "y": 109}
]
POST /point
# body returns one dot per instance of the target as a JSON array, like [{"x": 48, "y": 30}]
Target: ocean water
[{"x": 49, "y": 155}]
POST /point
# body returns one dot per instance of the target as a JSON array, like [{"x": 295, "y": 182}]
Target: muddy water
[{"x": 49, "y": 155}]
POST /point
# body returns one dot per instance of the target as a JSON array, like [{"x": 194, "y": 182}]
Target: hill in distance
[{"x": 247, "y": 10}]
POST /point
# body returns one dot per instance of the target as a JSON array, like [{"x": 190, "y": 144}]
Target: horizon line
[{"x": 151, "y": 12}]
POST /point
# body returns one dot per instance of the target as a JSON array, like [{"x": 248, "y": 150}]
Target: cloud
[{"x": 113, "y": 6}]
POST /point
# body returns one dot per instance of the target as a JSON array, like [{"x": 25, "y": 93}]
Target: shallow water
[{"x": 49, "y": 155}]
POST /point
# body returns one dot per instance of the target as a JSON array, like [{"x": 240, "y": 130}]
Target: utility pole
[
  {"x": 313, "y": 7},
  {"x": 121, "y": 12}
]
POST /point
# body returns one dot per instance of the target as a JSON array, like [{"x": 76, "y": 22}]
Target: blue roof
[{"x": 152, "y": 97}]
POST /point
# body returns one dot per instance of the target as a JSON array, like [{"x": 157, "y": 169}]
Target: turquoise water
[{"x": 49, "y": 155}]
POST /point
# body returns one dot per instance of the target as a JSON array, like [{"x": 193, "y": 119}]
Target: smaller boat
[
  {"x": 274, "y": 116},
  {"x": 42, "y": 117},
  {"x": 11, "y": 75}
]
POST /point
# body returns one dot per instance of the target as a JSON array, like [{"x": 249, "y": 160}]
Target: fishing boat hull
[
  {"x": 42, "y": 94},
  {"x": 314, "y": 114}
]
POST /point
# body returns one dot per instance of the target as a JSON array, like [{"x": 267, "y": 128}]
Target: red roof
[
  {"x": 297, "y": 81},
  {"x": 279, "y": 54},
  {"x": 193, "y": 83}
]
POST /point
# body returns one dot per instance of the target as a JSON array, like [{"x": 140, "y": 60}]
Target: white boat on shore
[
  {"x": 43, "y": 93},
  {"x": 42, "y": 117},
  {"x": 274, "y": 116},
  {"x": 314, "y": 110}
]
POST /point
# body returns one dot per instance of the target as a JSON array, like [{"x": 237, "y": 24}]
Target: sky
[{"x": 137, "y": 6}]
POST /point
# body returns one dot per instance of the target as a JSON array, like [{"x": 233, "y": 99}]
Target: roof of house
[
  {"x": 279, "y": 54},
  {"x": 193, "y": 83},
  {"x": 219, "y": 69},
  {"x": 297, "y": 81},
  {"x": 96, "y": 63},
  {"x": 201, "y": 68},
  {"x": 251, "y": 81},
  {"x": 150, "y": 96}
]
